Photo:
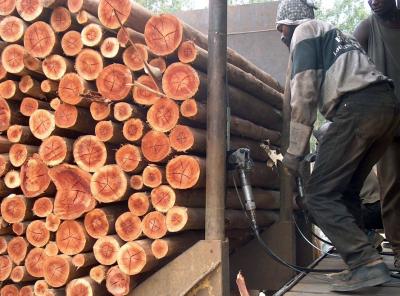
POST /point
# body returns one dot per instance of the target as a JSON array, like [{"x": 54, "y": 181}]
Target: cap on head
[{"x": 294, "y": 12}]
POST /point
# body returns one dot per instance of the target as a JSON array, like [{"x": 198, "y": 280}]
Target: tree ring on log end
[
  {"x": 109, "y": 183},
  {"x": 128, "y": 226},
  {"x": 180, "y": 81},
  {"x": 183, "y": 172},
  {"x": 12, "y": 58},
  {"x": 163, "y": 115},
  {"x": 114, "y": 82},
  {"x": 128, "y": 157},
  {"x": 42, "y": 124},
  {"x": 89, "y": 64},
  {"x": 143, "y": 96},
  {"x": 39, "y": 39},
  {"x": 108, "y": 9},
  {"x": 70, "y": 88},
  {"x": 155, "y": 146},
  {"x": 154, "y": 225}
]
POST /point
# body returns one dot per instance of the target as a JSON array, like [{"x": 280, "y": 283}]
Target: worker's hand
[{"x": 292, "y": 163}]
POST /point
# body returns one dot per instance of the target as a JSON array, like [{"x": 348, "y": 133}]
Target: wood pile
[{"x": 102, "y": 152}]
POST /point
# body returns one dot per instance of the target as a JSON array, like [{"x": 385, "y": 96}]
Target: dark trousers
[
  {"x": 389, "y": 181},
  {"x": 371, "y": 214},
  {"x": 362, "y": 129}
]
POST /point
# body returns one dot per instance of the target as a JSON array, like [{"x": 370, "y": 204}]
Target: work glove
[{"x": 292, "y": 164}]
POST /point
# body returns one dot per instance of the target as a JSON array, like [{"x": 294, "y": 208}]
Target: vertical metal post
[{"x": 216, "y": 121}]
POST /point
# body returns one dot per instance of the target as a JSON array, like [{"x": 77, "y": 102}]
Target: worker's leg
[
  {"x": 360, "y": 132},
  {"x": 389, "y": 180}
]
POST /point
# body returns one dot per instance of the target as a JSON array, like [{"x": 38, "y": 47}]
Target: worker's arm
[
  {"x": 305, "y": 85},
  {"x": 361, "y": 33}
]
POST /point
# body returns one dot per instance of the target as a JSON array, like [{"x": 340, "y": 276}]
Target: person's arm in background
[{"x": 361, "y": 33}]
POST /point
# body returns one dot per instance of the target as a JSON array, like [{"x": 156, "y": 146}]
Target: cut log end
[
  {"x": 112, "y": 12},
  {"x": 51, "y": 249},
  {"x": 42, "y": 123},
  {"x": 66, "y": 116},
  {"x": 60, "y": 19},
  {"x": 14, "y": 133},
  {"x": 9, "y": 289},
  {"x": 39, "y": 39},
  {"x": 12, "y": 58},
  {"x": 54, "y": 150},
  {"x": 28, "y": 106},
  {"x": 71, "y": 43},
  {"x": 136, "y": 182},
  {"x": 7, "y": 7},
  {"x": 117, "y": 282},
  {"x": 183, "y": 172},
  {"x": 12, "y": 28},
  {"x": 29, "y": 10},
  {"x": 89, "y": 64},
  {"x": 12, "y": 179},
  {"x": 159, "y": 248},
  {"x": 155, "y": 146},
  {"x": 17, "y": 248},
  {"x": 4, "y": 164},
  {"x": 133, "y": 129},
  {"x": 187, "y": 52},
  {"x": 128, "y": 226},
  {"x": 132, "y": 258},
  {"x": 106, "y": 250},
  {"x": 70, "y": 88},
  {"x": 37, "y": 234},
  {"x": 104, "y": 130},
  {"x": 26, "y": 290},
  {"x": 13, "y": 208},
  {"x": 18, "y": 154},
  {"x": 135, "y": 57},
  {"x": 6, "y": 267},
  {"x": 154, "y": 225},
  {"x": 109, "y": 184},
  {"x": 42, "y": 207},
  {"x": 159, "y": 63},
  {"x": 163, "y": 34},
  {"x": 34, "y": 177},
  {"x": 114, "y": 82},
  {"x": 70, "y": 237},
  {"x": 144, "y": 95},
  {"x": 57, "y": 270},
  {"x": 180, "y": 81},
  {"x": 110, "y": 47},
  {"x": 177, "y": 218},
  {"x": 49, "y": 86},
  {"x": 5, "y": 115},
  {"x": 34, "y": 262},
  {"x": 89, "y": 153},
  {"x": 153, "y": 176},
  {"x": 99, "y": 111},
  {"x": 96, "y": 223},
  {"x": 55, "y": 67},
  {"x": 75, "y": 5},
  {"x": 163, "y": 198},
  {"x": 53, "y": 221},
  {"x": 19, "y": 228},
  {"x": 139, "y": 203},
  {"x": 98, "y": 273},
  {"x": 40, "y": 287},
  {"x": 55, "y": 103},
  {"x": 122, "y": 111},
  {"x": 163, "y": 115},
  {"x": 181, "y": 138},
  {"x": 92, "y": 35},
  {"x": 128, "y": 157}
]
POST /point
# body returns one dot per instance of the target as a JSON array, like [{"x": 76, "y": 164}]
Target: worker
[
  {"x": 379, "y": 34},
  {"x": 330, "y": 70}
]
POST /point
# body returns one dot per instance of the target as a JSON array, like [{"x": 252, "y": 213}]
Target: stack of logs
[{"x": 102, "y": 164}]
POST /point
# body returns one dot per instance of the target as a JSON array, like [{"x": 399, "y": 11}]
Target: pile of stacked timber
[{"x": 102, "y": 164}]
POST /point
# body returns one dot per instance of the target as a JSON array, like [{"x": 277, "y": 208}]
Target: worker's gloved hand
[{"x": 292, "y": 163}]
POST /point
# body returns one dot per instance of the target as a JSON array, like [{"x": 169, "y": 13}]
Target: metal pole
[{"x": 216, "y": 121}]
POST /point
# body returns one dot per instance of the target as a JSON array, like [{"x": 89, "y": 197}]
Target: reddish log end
[
  {"x": 163, "y": 115},
  {"x": 132, "y": 258},
  {"x": 13, "y": 208},
  {"x": 104, "y": 130},
  {"x": 4, "y": 164},
  {"x": 17, "y": 249},
  {"x": 99, "y": 111},
  {"x": 82, "y": 287},
  {"x": 180, "y": 81},
  {"x": 42, "y": 123},
  {"x": 12, "y": 179},
  {"x": 89, "y": 64},
  {"x": 110, "y": 47},
  {"x": 28, "y": 106},
  {"x": 7, "y": 7},
  {"x": 39, "y": 39},
  {"x": 128, "y": 157},
  {"x": 163, "y": 34},
  {"x": 153, "y": 176},
  {"x": 90, "y": 153},
  {"x": 55, "y": 103},
  {"x": 53, "y": 222},
  {"x": 9, "y": 89},
  {"x": 109, "y": 10},
  {"x": 159, "y": 63},
  {"x": 114, "y": 82},
  {"x": 135, "y": 57},
  {"x": 12, "y": 58},
  {"x": 49, "y": 87},
  {"x": 66, "y": 116},
  {"x": 155, "y": 146},
  {"x": 71, "y": 43},
  {"x": 159, "y": 248},
  {"x": 183, "y": 172},
  {"x": 6, "y": 266},
  {"x": 133, "y": 129},
  {"x": 96, "y": 223},
  {"x": 34, "y": 177},
  {"x": 71, "y": 237},
  {"x": 37, "y": 234},
  {"x": 40, "y": 288},
  {"x": 136, "y": 182},
  {"x": 142, "y": 95},
  {"x": 73, "y": 197},
  {"x": 19, "y": 228},
  {"x": 43, "y": 206},
  {"x": 19, "y": 153},
  {"x": 14, "y": 133},
  {"x": 128, "y": 226},
  {"x": 9, "y": 290},
  {"x": 98, "y": 273},
  {"x": 187, "y": 52},
  {"x": 154, "y": 226},
  {"x": 106, "y": 250},
  {"x": 181, "y": 138},
  {"x": 60, "y": 19},
  {"x": 55, "y": 67},
  {"x": 51, "y": 249},
  {"x": 57, "y": 270},
  {"x": 139, "y": 204},
  {"x": 26, "y": 291},
  {"x": 75, "y": 5},
  {"x": 122, "y": 111},
  {"x": 54, "y": 150},
  {"x": 5, "y": 115},
  {"x": 117, "y": 282},
  {"x": 28, "y": 9},
  {"x": 92, "y": 35},
  {"x": 70, "y": 88},
  {"x": 163, "y": 198},
  {"x": 109, "y": 184},
  {"x": 12, "y": 29}
]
